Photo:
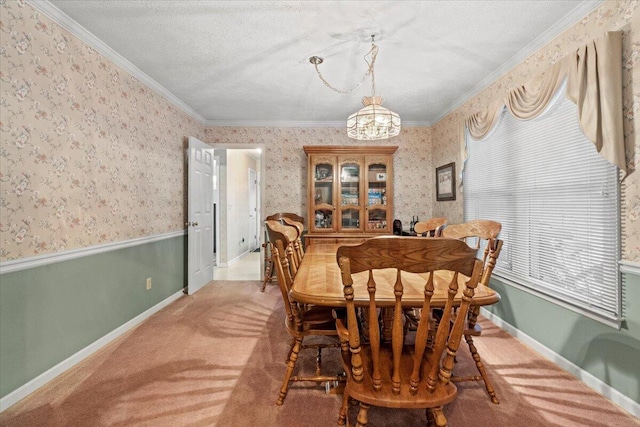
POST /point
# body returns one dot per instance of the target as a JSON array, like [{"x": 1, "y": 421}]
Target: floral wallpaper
[
  {"x": 611, "y": 16},
  {"x": 286, "y": 165},
  {"x": 89, "y": 154}
]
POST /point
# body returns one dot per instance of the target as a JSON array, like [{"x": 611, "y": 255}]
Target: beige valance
[{"x": 594, "y": 84}]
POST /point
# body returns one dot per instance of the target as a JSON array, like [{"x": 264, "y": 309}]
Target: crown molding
[
  {"x": 416, "y": 124},
  {"x": 295, "y": 124},
  {"x": 580, "y": 11},
  {"x": 87, "y": 37},
  {"x": 276, "y": 123}
]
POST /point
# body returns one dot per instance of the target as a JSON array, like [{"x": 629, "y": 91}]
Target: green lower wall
[
  {"x": 49, "y": 313},
  {"x": 612, "y": 356}
]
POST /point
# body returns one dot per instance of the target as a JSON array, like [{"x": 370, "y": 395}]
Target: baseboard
[
  {"x": 238, "y": 258},
  {"x": 42, "y": 379},
  {"x": 590, "y": 380}
]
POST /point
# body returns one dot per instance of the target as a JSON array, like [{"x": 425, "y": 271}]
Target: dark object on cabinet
[{"x": 397, "y": 227}]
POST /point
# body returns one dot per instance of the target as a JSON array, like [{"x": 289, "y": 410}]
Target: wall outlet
[{"x": 148, "y": 283}]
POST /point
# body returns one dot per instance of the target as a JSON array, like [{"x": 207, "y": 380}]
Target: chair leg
[
  {"x": 268, "y": 265},
  {"x": 344, "y": 409},
  {"x": 436, "y": 418},
  {"x": 291, "y": 364},
  {"x": 362, "y": 419},
  {"x": 481, "y": 369},
  {"x": 293, "y": 342},
  {"x": 267, "y": 274}
]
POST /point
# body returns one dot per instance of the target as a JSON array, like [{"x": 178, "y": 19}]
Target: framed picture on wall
[{"x": 446, "y": 182}]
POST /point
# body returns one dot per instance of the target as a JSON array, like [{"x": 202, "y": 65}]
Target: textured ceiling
[{"x": 247, "y": 62}]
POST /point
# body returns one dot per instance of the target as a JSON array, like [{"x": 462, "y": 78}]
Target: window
[{"x": 558, "y": 201}]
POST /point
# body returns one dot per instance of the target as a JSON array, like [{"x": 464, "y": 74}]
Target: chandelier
[{"x": 373, "y": 121}]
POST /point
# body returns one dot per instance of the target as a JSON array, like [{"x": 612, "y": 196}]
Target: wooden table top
[{"x": 318, "y": 282}]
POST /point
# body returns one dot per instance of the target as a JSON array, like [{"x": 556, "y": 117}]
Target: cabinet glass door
[
  {"x": 323, "y": 196},
  {"x": 350, "y": 205},
  {"x": 377, "y": 197}
]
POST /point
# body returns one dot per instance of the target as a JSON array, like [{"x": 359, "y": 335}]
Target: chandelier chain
[{"x": 374, "y": 53}]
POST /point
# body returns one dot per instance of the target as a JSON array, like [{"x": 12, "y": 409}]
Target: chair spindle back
[{"x": 408, "y": 255}]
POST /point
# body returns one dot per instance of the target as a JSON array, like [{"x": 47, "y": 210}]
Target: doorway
[{"x": 238, "y": 201}]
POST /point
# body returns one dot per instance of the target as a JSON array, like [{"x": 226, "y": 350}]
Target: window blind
[{"x": 558, "y": 201}]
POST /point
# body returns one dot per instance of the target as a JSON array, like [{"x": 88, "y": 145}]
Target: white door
[
  {"x": 253, "y": 211},
  {"x": 200, "y": 221}
]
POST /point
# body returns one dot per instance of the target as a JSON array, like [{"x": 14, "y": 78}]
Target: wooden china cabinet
[{"x": 350, "y": 193}]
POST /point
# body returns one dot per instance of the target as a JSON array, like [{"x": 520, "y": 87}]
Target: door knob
[{"x": 195, "y": 224}]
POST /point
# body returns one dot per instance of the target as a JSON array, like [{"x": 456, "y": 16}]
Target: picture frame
[{"x": 446, "y": 182}]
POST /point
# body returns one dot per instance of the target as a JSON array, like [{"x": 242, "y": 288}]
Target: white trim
[
  {"x": 572, "y": 18},
  {"x": 42, "y": 379},
  {"x": 589, "y": 379},
  {"x": 297, "y": 124},
  {"x": 415, "y": 124},
  {"x": 238, "y": 258},
  {"x": 234, "y": 260},
  {"x": 40, "y": 260},
  {"x": 630, "y": 267},
  {"x": 277, "y": 123},
  {"x": 87, "y": 37}
]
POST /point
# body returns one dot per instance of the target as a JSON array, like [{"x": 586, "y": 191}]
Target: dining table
[{"x": 318, "y": 281}]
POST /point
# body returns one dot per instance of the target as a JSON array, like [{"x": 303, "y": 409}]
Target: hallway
[{"x": 247, "y": 268}]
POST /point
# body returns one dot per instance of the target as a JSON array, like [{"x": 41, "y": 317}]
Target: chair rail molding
[
  {"x": 630, "y": 267},
  {"x": 40, "y": 260}
]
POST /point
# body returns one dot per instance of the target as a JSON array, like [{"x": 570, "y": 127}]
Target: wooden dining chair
[
  {"x": 430, "y": 228},
  {"x": 266, "y": 246},
  {"x": 301, "y": 321},
  {"x": 281, "y": 215},
  {"x": 478, "y": 233},
  {"x": 403, "y": 373},
  {"x": 290, "y": 251},
  {"x": 297, "y": 243}
]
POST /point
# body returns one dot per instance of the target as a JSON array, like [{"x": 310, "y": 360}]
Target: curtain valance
[{"x": 594, "y": 84}]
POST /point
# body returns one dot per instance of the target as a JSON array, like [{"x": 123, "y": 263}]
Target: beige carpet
[{"x": 217, "y": 358}]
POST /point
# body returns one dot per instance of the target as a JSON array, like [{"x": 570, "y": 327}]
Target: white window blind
[{"x": 558, "y": 201}]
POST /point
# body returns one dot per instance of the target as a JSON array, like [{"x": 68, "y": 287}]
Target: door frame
[
  {"x": 254, "y": 241},
  {"x": 261, "y": 189}
]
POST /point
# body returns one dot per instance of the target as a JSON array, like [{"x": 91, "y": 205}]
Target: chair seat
[
  {"x": 424, "y": 398},
  {"x": 318, "y": 319}
]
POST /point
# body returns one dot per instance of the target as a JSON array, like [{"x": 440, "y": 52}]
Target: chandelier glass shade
[{"x": 373, "y": 121}]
